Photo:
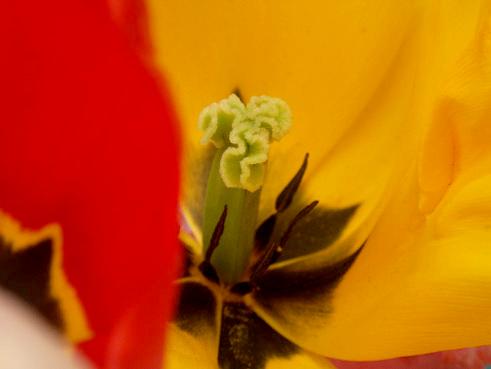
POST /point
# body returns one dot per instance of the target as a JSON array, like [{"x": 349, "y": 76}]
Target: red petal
[
  {"x": 131, "y": 16},
  {"x": 88, "y": 141}
]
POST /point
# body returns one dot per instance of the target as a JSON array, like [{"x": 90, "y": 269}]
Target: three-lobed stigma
[{"x": 243, "y": 135}]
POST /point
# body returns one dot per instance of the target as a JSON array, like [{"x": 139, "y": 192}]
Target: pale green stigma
[{"x": 244, "y": 134}]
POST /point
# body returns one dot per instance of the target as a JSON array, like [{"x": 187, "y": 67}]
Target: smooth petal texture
[
  {"x": 207, "y": 50},
  {"x": 239, "y": 45},
  {"x": 372, "y": 155},
  {"x": 359, "y": 160},
  {"x": 209, "y": 331},
  {"x": 428, "y": 293},
  {"x": 194, "y": 333},
  {"x": 88, "y": 143},
  {"x": 131, "y": 17},
  {"x": 421, "y": 284},
  {"x": 373, "y": 312},
  {"x": 295, "y": 298},
  {"x": 210, "y": 49},
  {"x": 375, "y": 150},
  {"x": 301, "y": 360},
  {"x": 185, "y": 351}
]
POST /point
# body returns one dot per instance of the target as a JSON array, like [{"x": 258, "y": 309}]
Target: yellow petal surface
[
  {"x": 363, "y": 166},
  {"x": 192, "y": 337},
  {"x": 183, "y": 351},
  {"x": 431, "y": 292},
  {"x": 458, "y": 134},
  {"x": 326, "y": 59},
  {"x": 211, "y": 334},
  {"x": 359, "y": 106},
  {"x": 418, "y": 286},
  {"x": 302, "y": 360},
  {"x": 422, "y": 281}
]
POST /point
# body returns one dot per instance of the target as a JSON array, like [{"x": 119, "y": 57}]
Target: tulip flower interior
[
  {"x": 335, "y": 197},
  {"x": 241, "y": 266}
]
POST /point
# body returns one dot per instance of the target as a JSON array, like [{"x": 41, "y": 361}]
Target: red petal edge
[{"x": 89, "y": 141}]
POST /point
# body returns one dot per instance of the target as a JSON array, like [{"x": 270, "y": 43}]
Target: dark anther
[
  {"x": 285, "y": 198},
  {"x": 302, "y": 284},
  {"x": 286, "y": 235},
  {"x": 265, "y": 261},
  {"x": 217, "y": 234},
  {"x": 209, "y": 272},
  {"x": 242, "y": 288},
  {"x": 300, "y": 215},
  {"x": 239, "y": 94},
  {"x": 274, "y": 249},
  {"x": 206, "y": 267},
  {"x": 264, "y": 233}
]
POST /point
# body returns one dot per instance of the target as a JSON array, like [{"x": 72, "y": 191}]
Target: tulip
[
  {"x": 88, "y": 184},
  {"x": 391, "y": 101}
]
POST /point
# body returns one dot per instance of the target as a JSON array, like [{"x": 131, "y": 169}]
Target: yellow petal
[
  {"x": 458, "y": 138},
  {"x": 196, "y": 166},
  {"x": 362, "y": 167},
  {"x": 422, "y": 281},
  {"x": 406, "y": 293},
  {"x": 184, "y": 351},
  {"x": 295, "y": 299},
  {"x": 190, "y": 238},
  {"x": 410, "y": 291},
  {"x": 364, "y": 164},
  {"x": 326, "y": 59},
  {"x": 466, "y": 208},
  {"x": 437, "y": 173},
  {"x": 418, "y": 286},
  {"x": 301, "y": 360},
  {"x": 208, "y": 333},
  {"x": 192, "y": 338}
]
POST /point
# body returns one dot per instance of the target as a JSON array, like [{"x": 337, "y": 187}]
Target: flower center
[{"x": 241, "y": 135}]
